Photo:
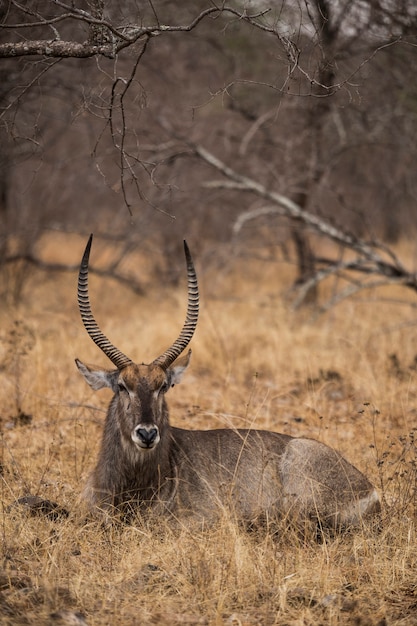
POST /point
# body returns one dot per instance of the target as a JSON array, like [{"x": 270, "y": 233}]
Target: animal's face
[
  {"x": 139, "y": 397},
  {"x": 141, "y": 391}
]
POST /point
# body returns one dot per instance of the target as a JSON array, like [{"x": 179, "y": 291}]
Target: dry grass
[{"x": 254, "y": 364}]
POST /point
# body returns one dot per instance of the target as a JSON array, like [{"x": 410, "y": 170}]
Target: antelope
[{"x": 145, "y": 464}]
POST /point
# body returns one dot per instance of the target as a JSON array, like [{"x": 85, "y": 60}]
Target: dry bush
[{"x": 349, "y": 380}]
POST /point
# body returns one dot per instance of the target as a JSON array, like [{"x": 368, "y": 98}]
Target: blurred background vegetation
[{"x": 105, "y": 105}]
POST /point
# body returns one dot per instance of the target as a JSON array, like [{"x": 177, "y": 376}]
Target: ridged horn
[
  {"x": 190, "y": 324},
  {"x": 118, "y": 358}
]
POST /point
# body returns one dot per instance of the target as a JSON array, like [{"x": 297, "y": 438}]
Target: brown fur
[{"x": 197, "y": 474}]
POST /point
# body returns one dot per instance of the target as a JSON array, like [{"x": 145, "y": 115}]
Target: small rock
[
  {"x": 67, "y": 618},
  {"x": 39, "y": 506}
]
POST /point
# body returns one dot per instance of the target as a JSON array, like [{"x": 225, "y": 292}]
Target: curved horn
[
  {"x": 190, "y": 324},
  {"x": 91, "y": 326}
]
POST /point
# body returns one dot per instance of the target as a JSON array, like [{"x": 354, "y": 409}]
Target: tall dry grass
[{"x": 348, "y": 379}]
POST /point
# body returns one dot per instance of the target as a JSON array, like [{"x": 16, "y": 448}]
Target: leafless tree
[{"x": 308, "y": 101}]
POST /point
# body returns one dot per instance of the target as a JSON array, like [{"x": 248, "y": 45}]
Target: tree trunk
[{"x": 315, "y": 122}]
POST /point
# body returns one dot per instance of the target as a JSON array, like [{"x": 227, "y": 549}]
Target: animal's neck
[{"x": 132, "y": 473}]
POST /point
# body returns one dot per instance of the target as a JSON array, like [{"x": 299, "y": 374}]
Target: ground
[{"x": 347, "y": 377}]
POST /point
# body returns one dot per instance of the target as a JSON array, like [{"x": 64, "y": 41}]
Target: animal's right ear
[{"x": 97, "y": 378}]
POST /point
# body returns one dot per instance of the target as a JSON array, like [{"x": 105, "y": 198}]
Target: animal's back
[{"x": 261, "y": 474}]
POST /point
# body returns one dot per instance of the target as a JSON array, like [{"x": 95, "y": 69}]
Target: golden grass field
[{"x": 349, "y": 379}]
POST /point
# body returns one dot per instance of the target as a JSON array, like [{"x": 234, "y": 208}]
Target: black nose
[{"x": 147, "y": 436}]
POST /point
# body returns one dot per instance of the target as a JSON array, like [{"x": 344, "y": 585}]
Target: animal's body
[{"x": 146, "y": 464}]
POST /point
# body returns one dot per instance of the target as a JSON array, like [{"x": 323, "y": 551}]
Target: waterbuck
[{"x": 145, "y": 464}]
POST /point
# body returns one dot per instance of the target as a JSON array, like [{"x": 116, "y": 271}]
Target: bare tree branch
[
  {"x": 287, "y": 208},
  {"x": 122, "y": 36},
  {"x": 372, "y": 257},
  {"x": 110, "y": 272}
]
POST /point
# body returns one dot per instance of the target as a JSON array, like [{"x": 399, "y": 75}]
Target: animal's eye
[
  {"x": 121, "y": 387},
  {"x": 164, "y": 388}
]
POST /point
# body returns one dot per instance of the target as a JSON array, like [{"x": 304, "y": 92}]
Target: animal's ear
[
  {"x": 177, "y": 369},
  {"x": 98, "y": 378}
]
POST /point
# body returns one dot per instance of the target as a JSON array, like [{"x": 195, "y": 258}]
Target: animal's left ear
[{"x": 177, "y": 369}]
